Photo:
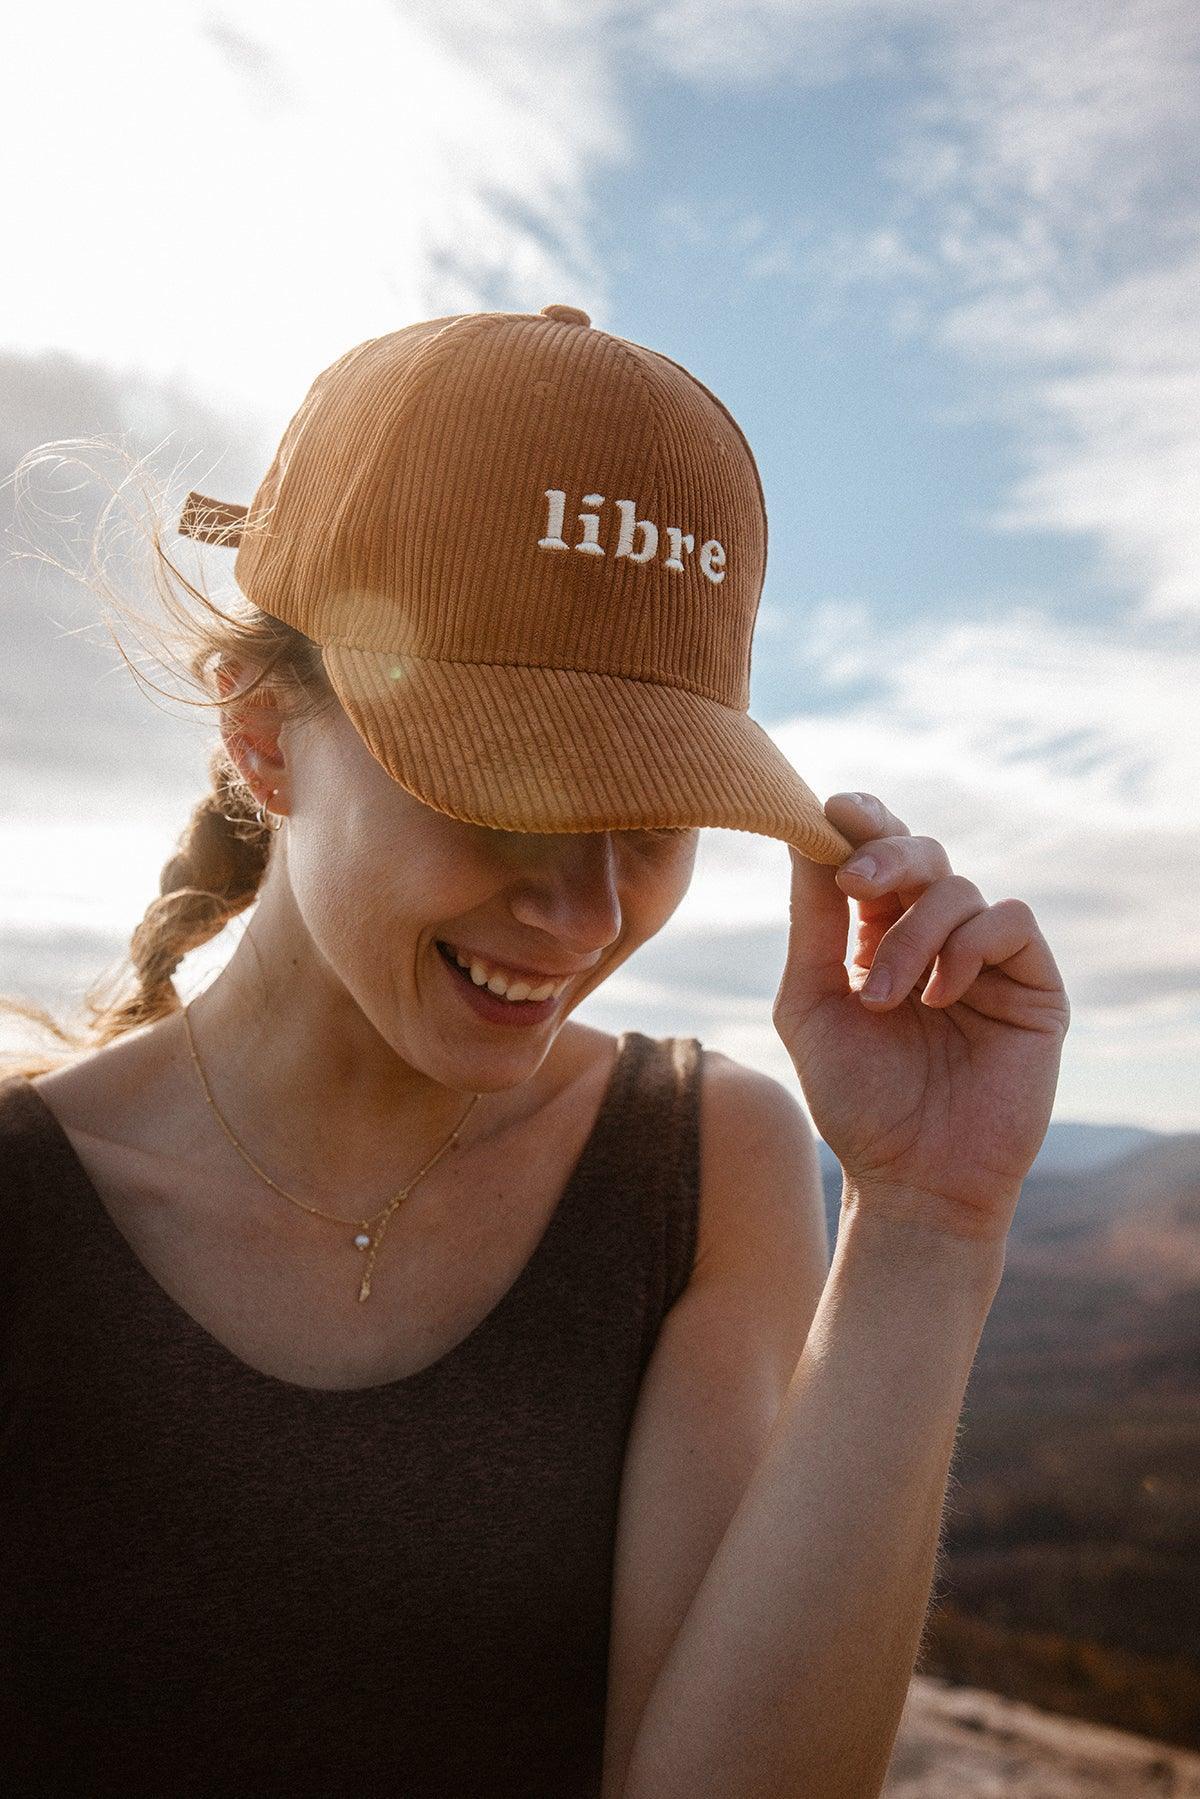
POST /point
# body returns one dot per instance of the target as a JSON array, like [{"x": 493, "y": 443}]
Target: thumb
[{"x": 818, "y": 927}]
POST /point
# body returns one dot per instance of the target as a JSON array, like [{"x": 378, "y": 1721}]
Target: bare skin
[
  {"x": 340, "y": 1052},
  {"x": 278, "y": 1288}
]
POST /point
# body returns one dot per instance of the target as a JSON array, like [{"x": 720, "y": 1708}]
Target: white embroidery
[
  {"x": 712, "y": 553},
  {"x": 629, "y": 524},
  {"x": 589, "y": 543},
  {"x": 553, "y": 539},
  {"x": 678, "y": 540}
]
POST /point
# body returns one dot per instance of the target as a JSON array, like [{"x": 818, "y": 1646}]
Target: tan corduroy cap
[{"x": 532, "y": 553}]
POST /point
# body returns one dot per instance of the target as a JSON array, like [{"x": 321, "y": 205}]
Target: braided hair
[{"x": 222, "y": 853}]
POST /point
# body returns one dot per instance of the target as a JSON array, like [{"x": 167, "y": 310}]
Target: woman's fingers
[
  {"x": 947, "y": 935},
  {"x": 819, "y": 913},
  {"x": 1006, "y": 936},
  {"x": 861, "y": 815},
  {"x": 919, "y": 935},
  {"x": 905, "y": 865},
  {"x": 890, "y": 865}
]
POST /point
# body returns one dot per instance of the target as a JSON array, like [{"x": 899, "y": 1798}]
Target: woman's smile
[{"x": 494, "y": 1006}]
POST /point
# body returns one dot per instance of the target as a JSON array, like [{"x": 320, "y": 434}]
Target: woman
[{"x": 567, "y": 1467}]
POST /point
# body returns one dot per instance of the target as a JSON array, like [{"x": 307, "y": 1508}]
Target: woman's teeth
[{"x": 510, "y": 987}]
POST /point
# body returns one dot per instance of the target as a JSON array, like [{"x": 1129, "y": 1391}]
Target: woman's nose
[{"x": 575, "y": 892}]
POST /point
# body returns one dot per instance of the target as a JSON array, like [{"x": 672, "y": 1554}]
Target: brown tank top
[{"x": 216, "y": 1582}]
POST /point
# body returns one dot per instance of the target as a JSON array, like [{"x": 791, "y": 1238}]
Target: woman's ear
[{"x": 250, "y": 729}]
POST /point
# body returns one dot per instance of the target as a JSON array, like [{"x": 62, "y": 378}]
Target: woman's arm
[
  {"x": 786, "y": 1678},
  {"x": 789, "y": 1673}
]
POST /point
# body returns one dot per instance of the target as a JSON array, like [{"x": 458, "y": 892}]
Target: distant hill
[
  {"x": 1072, "y": 1547},
  {"x": 1074, "y": 1148},
  {"x": 1070, "y": 1147}
]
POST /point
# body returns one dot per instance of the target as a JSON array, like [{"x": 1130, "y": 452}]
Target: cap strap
[{"x": 212, "y": 521}]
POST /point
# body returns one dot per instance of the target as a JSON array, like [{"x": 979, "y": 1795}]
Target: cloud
[
  {"x": 75, "y": 731},
  {"x": 1112, "y": 437},
  {"x": 1044, "y": 227},
  {"x": 413, "y": 161},
  {"x": 742, "y": 43},
  {"x": 1074, "y": 113}
]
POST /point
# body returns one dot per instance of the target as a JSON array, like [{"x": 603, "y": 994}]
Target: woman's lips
[
  {"x": 535, "y": 976},
  {"x": 489, "y": 1005}
]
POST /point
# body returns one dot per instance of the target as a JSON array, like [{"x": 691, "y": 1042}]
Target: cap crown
[{"x": 515, "y": 488}]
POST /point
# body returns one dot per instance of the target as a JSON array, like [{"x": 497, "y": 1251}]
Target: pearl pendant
[{"x": 362, "y": 1241}]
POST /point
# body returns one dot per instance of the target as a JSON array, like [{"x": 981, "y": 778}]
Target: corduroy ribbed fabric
[
  {"x": 219, "y": 1585},
  {"x": 533, "y": 553}
]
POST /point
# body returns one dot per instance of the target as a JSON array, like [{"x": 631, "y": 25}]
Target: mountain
[
  {"x": 1071, "y": 1569},
  {"x": 1073, "y": 1147},
  {"x": 1070, "y": 1147}
]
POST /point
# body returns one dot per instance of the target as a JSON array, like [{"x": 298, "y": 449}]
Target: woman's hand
[{"x": 935, "y": 1104}]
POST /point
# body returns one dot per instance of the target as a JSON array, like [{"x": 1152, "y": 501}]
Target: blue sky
[{"x": 941, "y": 263}]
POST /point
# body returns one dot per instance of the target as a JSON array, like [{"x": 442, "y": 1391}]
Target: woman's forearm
[{"x": 788, "y": 1676}]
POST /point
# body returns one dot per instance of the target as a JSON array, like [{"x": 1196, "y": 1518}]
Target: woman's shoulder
[
  {"x": 82, "y": 1092},
  {"x": 93, "y": 1103},
  {"x": 31, "y": 1144},
  {"x": 755, "y": 1145},
  {"x": 20, "y": 1113},
  {"x": 758, "y": 1156},
  {"x": 728, "y": 1090}
]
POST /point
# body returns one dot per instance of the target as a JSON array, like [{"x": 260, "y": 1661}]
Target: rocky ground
[{"x": 961, "y": 1743}]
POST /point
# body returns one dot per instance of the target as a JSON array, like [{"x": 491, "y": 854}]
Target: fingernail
[
  {"x": 866, "y": 866},
  {"x": 878, "y": 984}
]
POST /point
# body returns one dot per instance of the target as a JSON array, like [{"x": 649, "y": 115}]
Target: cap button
[{"x": 566, "y": 315}]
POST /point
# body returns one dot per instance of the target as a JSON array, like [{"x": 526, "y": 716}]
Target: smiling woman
[
  {"x": 317, "y": 1484},
  {"x": 453, "y": 822}
]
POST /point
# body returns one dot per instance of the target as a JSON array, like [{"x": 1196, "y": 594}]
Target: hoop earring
[{"x": 261, "y": 817}]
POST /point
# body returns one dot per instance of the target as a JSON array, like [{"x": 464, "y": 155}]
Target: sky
[{"x": 941, "y": 263}]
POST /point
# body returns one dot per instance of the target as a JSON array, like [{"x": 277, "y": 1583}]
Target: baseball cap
[{"x": 532, "y": 553}]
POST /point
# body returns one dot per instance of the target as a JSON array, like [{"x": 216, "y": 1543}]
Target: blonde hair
[{"x": 222, "y": 852}]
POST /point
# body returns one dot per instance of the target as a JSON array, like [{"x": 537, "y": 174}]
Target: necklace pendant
[{"x": 362, "y": 1241}]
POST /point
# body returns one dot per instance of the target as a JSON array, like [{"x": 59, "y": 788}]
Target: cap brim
[{"x": 549, "y": 749}]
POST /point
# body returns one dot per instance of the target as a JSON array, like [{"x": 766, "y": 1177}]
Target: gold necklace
[{"x": 369, "y": 1234}]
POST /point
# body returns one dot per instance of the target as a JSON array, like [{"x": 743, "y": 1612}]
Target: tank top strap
[
  {"x": 30, "y": 1168},
  {"x": 32, "y": 1157},
  {"x": 647, "y": 1148}
]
